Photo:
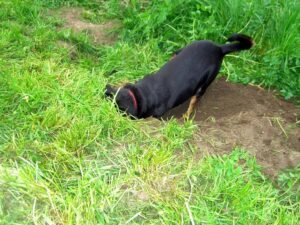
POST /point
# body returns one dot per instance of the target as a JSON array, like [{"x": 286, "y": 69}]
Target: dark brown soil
[{"x": 231, "y": 115}]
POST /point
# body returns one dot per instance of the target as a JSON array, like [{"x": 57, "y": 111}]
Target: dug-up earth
[
  {"x": 228, "y": 115},
  {"x": 231, "y": 115}
]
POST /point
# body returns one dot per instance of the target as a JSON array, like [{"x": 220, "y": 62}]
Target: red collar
[{"x": 134, "y": 99}]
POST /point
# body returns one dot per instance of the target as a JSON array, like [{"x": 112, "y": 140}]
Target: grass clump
[{"x": 143, "y": 186}]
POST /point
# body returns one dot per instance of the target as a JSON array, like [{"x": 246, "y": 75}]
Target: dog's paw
[{"x": 187, "y": 116}]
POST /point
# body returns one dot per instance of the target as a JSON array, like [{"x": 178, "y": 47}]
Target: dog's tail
[{"x": 240, "y": 42}]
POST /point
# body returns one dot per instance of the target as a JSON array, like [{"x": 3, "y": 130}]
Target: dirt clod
[{"x": 231, "y": 115}]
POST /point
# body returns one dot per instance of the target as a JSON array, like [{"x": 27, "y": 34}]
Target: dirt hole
[{"x": 231, "y": 115}]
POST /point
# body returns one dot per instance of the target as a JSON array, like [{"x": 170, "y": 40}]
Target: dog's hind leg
[
  {"x": 192, "y": 105},
  {"x": 193, "y": 102}
]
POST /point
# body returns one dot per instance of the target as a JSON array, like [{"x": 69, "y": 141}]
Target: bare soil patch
[
  {"x": 100, "y": 33},
  {"x": 231, "y": 115}
]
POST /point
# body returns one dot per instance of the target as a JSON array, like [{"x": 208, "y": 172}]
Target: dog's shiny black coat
[{"x": 188, "y": 74}]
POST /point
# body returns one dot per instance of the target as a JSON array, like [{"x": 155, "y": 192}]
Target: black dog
[{"x": 187, "y": 75}]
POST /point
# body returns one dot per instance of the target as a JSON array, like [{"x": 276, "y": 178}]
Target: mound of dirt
[
  {"x": 100, "y": 33},
  {"x": 231, "y": 115}
]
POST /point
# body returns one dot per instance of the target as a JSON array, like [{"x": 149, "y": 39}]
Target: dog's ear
[{"x": 109, "y": 91}]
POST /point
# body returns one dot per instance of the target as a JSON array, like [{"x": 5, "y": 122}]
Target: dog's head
[{"x": 125, "y": 99}]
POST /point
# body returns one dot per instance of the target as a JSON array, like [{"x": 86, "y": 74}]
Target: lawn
[{"x": 67, "y": 156}]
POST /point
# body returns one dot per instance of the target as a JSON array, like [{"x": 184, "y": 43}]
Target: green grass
[{"x": 68, "y": 157}]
